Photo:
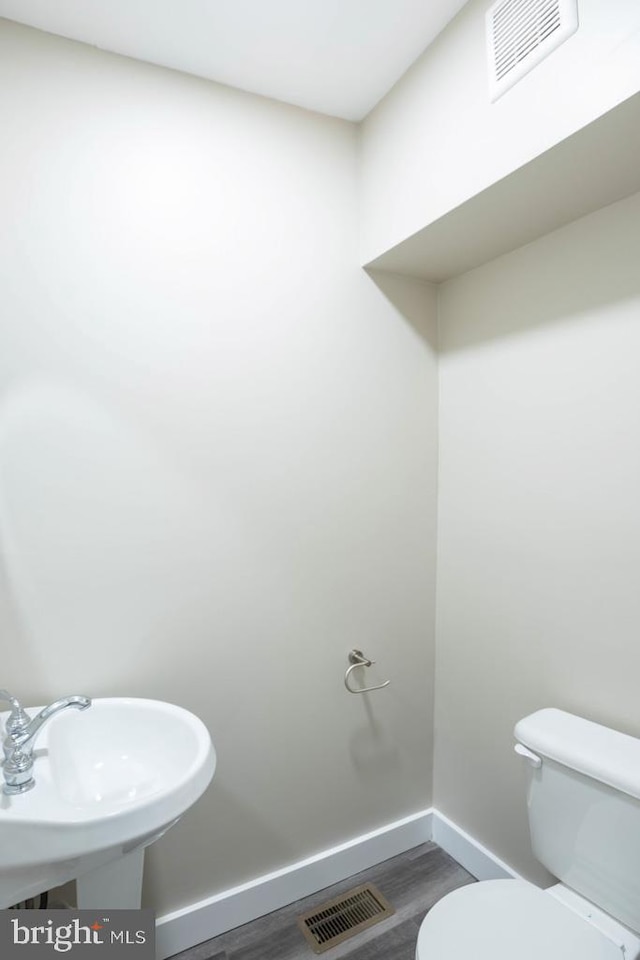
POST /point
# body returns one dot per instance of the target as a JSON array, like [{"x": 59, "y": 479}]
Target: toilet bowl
[
  {"x": 515, "y": 920},
  {"x": 584, "y": 814}
]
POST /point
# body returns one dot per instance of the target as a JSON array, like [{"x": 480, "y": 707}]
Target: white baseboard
[
  {"x": 468, "y": 852},
  {"x": 208, "y": 918}
]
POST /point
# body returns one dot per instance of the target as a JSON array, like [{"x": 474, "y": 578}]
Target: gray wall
[
  {"x": 217, "y": 448},
  {"x": 539, "y": 513}
]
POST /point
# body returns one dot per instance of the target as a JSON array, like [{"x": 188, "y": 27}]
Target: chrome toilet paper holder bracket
[{"x": 357, "y": 659}]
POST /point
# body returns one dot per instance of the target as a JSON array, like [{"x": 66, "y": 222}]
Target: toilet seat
[{"x": 508, "y": 920}]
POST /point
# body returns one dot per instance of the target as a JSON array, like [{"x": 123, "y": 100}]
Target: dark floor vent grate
[{"x": 343, "y": 917}]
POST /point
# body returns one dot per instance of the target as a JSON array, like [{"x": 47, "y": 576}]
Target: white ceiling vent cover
[{"x": 521, "y": 33}]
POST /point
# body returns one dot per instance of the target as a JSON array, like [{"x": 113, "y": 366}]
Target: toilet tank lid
[{"x": 589, "y": 748}]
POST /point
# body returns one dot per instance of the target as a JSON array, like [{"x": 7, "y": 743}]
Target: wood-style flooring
[{"x": 411, "y": 882}]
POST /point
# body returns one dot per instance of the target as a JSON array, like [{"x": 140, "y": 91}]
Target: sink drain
[{"x": 344, "y": 917}]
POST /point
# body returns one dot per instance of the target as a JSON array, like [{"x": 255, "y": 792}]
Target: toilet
[{"x": 583, "y": 801}]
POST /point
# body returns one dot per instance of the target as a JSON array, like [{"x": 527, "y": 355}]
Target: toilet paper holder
[{"x": 357, "y": 659}]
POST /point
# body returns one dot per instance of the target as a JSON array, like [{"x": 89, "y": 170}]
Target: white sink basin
[{"x": 108, "y": 779}]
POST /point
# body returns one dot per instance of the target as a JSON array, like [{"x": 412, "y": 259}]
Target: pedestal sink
[{"x": 109, "y": 781}]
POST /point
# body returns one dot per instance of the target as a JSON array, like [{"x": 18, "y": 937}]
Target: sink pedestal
[{"x": 116, "y": 885}]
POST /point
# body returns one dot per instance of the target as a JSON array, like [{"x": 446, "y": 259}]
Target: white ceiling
[{"x": 336, "y": 56}]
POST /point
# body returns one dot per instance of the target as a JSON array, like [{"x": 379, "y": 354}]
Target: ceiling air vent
[{"x": 521, "y": 33}]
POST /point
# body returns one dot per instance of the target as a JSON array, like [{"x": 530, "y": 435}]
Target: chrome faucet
[{"x": 20, "y": 735}]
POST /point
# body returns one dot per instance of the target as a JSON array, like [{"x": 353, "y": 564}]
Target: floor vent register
[{"x": 343, "y": 917}]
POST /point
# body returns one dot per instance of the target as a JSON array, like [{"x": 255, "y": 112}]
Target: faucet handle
[{"x": 18, "y": 720}]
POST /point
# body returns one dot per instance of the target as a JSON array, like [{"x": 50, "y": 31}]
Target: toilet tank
[{"x": 583, "y": 802}]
